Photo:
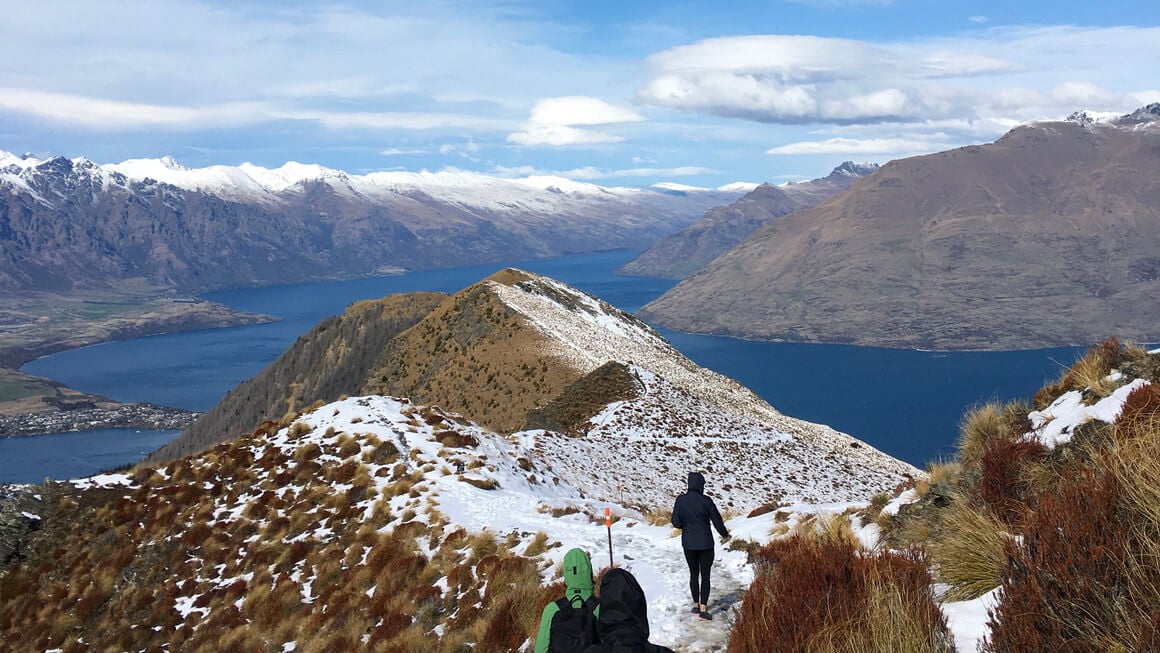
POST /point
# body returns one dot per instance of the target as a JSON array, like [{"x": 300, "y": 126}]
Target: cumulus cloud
[
  {"x": 998, "y": 73},
  {"x": 560, "y": 121}
]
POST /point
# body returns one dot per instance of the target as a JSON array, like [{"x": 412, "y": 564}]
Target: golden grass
[
  {"x": 660, "y": 516},
  {"x": 946, "y": 473},
  {"x": 968, "y": 551},
  {"x": 983, "y": 423},
  {"x": 538, "y": 545},
  {"x": 1137, "y": 466},
  {"x": 888, "y": 623},
  {"x": 829, "y": 528},
  {"x": 1091, "y": 373}
]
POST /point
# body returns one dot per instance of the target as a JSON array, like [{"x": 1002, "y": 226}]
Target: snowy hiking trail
[{"x": 653, "y": 554}]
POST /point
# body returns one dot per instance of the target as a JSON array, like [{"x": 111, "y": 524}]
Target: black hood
[
  {"x": 623, "y": 618},
  {"x": 696, "y": 482}
]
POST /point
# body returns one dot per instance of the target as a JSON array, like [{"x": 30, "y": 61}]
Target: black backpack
[{"x": 573, "y": 626}]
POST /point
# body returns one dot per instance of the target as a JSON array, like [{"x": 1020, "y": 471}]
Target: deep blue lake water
[
  {"x": 906, "y": 403},
  {"x": 76, "y": 454}
]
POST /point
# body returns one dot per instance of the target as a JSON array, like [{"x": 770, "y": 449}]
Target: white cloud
[
  {"x": 1026, "y": 73},
  {"x": 860, "y": 146},
  {"x": 979, "y": 20},
  {"x": 172, "y": 63},
  {"x": 580, "y": 110},
  {"x": 400, "y": 151},
  {"x": 109, "y": 114},
  {"x": 553, "y": 121},
  {"x": 105, "y": 114},
  {"x": 465, "y": 150}
]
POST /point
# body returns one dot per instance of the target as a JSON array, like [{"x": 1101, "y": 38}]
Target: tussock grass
[
  {"x": 659, "y": 516},
  {"x": 969, "y": 553},
  {"x": 824, "y": 595},
  {"x": 990, "y": 421},
  {"x": 834, "y": 528},
  {"x": 1090, "y": 373},
  {"x": 538, "y": 545}
]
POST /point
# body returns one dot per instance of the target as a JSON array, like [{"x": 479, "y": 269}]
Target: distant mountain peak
[
  {"x": 1145, "y": 115},
  {"x": 1085, "y": 117},
  {"x": 172, "y": 163},
  {"x": 854, "y": 169}
]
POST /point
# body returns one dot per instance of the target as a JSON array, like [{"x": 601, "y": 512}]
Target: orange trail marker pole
[{"x": 608, "y": 524}]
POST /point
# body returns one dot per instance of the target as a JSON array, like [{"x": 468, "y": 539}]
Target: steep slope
[
  {"x": 68, "y": 224},
  {"x": 723, "y": 227},
  {"x": 370, "y": 523},
  {"x": 331, "y": 360},
  {"x": 519, "y": 351},
  {"x": 1049, "y": 236}
]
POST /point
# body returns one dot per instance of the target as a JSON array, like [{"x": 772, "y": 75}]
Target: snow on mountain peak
[
  {"x": 1085, "y": 117},
  {"x": 854, "y": 169},
  {"x": 171, "y": 163}
]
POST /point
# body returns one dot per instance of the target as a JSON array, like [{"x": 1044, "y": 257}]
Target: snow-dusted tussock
[{"x": 1055, "y": 424}]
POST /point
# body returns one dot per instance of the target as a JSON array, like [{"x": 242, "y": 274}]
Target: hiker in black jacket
[
  {"x": 692, "y": 513},
  {"x": 623, "y": 624}
]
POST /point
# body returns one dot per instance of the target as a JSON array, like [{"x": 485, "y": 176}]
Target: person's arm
[
  {"x": 718, "y": 523},
  {"x": 678, "y": 518},
  {"x": 544, "y": 636}
]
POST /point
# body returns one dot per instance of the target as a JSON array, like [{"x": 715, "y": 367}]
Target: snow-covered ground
[{"x": 522, "y": 502}]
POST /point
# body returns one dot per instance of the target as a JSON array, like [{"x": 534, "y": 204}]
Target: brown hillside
[
  {"x": 475, "y": 356},
  {"x": 330, "y": 360},
  {"x": 1049, "y": 236},
  {"x": 723, "y": 227}
]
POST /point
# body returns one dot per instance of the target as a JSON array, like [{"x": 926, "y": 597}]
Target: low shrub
[
  {"x": 1075, "y": 583},
  {"x": 1000, "y": 485},
  {"x": 823, "y": 595}
]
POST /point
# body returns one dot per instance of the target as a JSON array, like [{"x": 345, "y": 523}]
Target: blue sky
[{"x": 615, "y": 93}]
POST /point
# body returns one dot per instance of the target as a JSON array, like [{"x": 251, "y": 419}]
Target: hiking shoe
[
  {"x": 704, "y": 615},
  {"x": 696, "y": 609}
]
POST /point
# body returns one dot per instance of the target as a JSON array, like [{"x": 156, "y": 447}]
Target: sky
[{"x": 614, "y": 93}]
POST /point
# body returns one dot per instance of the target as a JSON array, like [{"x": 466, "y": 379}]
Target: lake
[
  {"x": 906, "y": 403},
  {"x": 75, "y": 454}
]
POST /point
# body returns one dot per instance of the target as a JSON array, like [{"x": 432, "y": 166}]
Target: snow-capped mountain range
[{"x": 73, "y": 222}]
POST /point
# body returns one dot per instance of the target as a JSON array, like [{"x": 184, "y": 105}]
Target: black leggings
[{"x": 700, "y": 562}]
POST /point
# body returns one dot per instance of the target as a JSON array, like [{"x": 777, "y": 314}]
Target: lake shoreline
[{"x": 34, "y": 405}]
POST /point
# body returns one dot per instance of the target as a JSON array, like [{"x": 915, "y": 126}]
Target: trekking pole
[{"x": 608, "y": 524}]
